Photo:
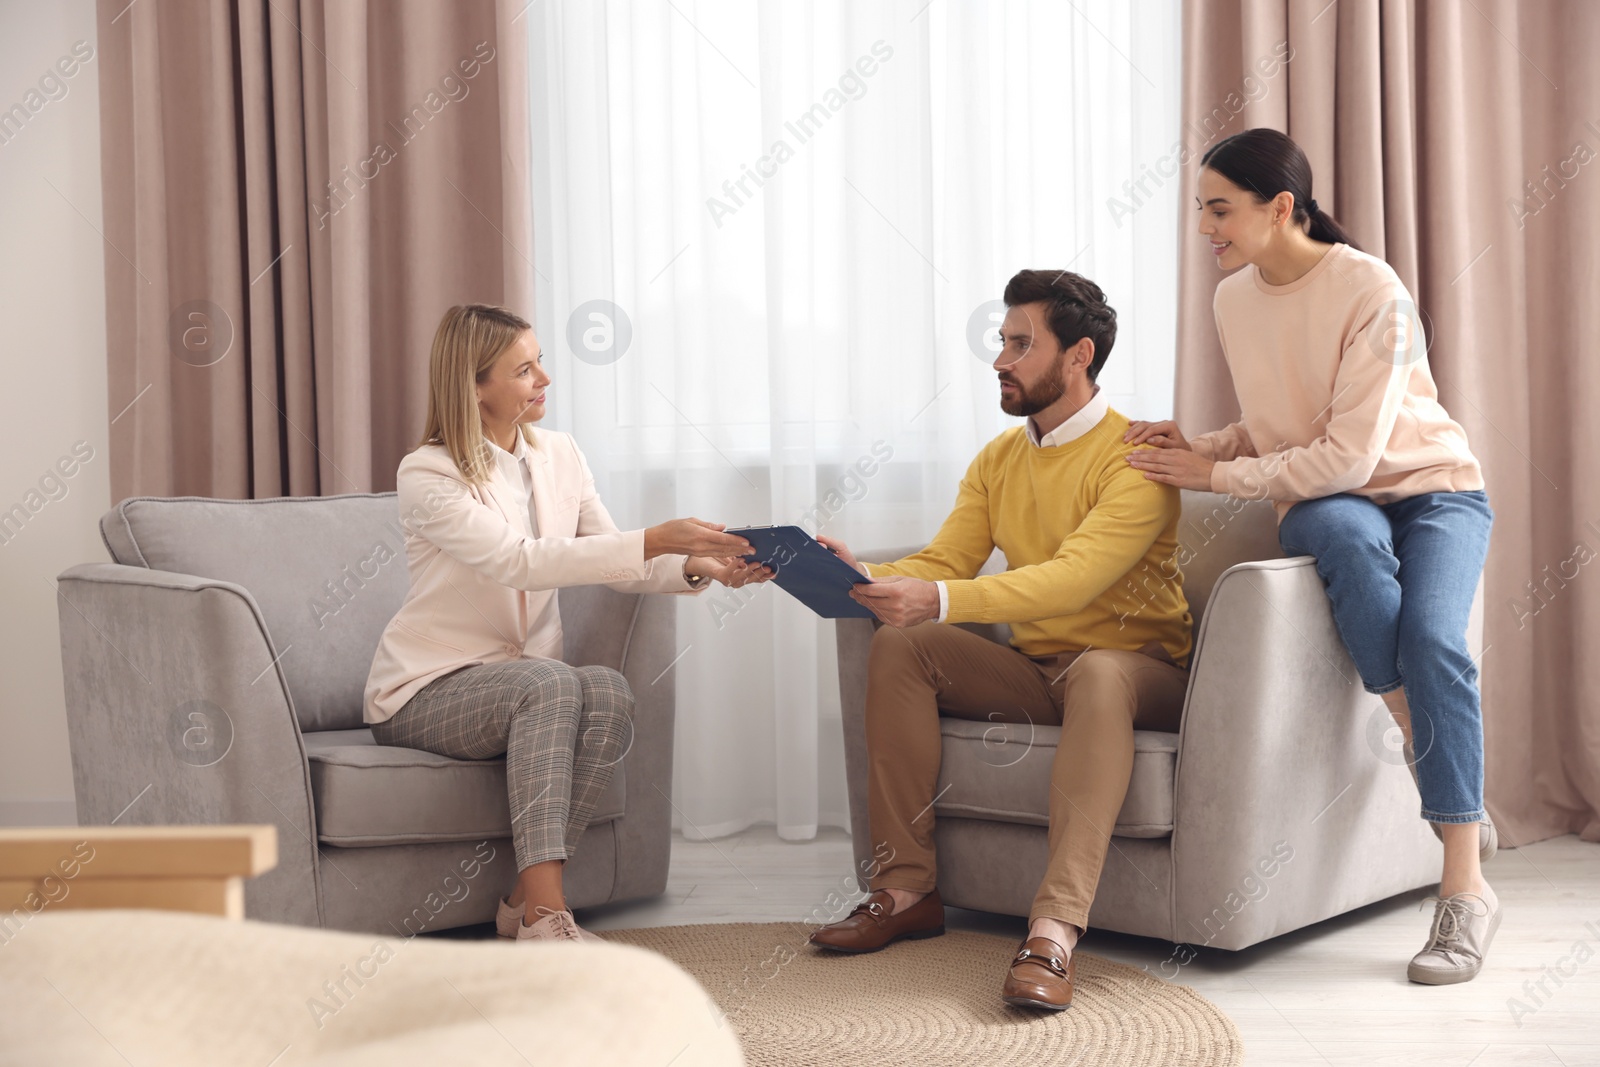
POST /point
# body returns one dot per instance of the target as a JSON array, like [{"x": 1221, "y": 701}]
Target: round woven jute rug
[{"x": 931, "y": 1003}]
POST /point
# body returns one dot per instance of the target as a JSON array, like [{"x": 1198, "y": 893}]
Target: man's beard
[{"x": 1031, "y": 401}]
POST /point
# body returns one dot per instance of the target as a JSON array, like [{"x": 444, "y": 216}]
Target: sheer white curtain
[{"x": 769, "y": 240}]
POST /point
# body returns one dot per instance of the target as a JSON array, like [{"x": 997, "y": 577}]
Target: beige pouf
[
  {"x": 932, "y": 1003},
  {"x": 116, "y": 987}
]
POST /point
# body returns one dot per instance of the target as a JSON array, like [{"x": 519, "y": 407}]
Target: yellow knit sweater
[{"x": 1091, "y": 547}]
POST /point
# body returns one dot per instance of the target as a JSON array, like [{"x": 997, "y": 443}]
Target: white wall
[{"x": 52, "y": 381}]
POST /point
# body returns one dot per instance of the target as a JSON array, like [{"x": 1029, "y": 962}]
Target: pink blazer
[{"x": 482, "y": 591}]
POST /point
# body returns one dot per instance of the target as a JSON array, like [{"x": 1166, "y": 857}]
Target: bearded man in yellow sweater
[{"x": 1077, "y": 524}]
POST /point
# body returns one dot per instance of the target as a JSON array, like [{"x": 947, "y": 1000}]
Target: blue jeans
[{"x": 1401, "y": 578}]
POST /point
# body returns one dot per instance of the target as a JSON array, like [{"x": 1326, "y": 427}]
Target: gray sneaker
[
  {"x": 1463, "y": 926},
  {"x": 1488, "y": 840}
]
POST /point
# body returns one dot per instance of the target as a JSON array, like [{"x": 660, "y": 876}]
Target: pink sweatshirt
[{"x": 1333, "y": 383}]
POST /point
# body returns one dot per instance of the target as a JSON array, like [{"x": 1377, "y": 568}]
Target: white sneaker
[
  {"x": 551, "y": 926},
  {"x": 1463, "y": 926},
  {"x": 508, "y": 922}
]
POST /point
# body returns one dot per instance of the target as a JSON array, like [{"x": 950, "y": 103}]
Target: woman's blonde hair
[{"x": 469, "y": 339}]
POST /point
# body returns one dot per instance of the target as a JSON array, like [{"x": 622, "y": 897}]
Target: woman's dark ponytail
[
  {"x": 1324, "y": 227},
  {"x": 1267, "y": 163}
]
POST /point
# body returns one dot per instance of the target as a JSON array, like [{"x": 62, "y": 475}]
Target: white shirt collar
[
  {"x": 516, "y": 466},
  {"x": 1081, "y": 422},
  {"x": 520, "y": 452}
]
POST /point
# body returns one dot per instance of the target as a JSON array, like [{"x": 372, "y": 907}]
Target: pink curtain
[
  {"x": 1461, "y": 142},
  {"x": 294, "y": 191}
]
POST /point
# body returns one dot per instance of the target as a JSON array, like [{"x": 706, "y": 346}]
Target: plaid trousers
[{"x": 561, "y": 728}]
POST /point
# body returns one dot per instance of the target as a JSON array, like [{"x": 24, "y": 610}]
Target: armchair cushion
[
  {"x": 371, "y": 794},
  {"x": 1001, "y": 772}
]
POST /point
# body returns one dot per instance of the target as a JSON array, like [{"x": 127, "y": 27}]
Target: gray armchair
[
  {"x": 214, "y": 674},
  {"x": 1280, "y": 802}
]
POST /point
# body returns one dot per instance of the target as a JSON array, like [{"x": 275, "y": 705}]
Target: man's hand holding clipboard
[{"x": 894, "y": 599}]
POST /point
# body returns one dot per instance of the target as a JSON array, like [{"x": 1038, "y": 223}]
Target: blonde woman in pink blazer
[{"x": 499, "y": 515}]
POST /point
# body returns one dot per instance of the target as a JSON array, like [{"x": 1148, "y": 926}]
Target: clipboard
[{"x": 807, "y": 570}]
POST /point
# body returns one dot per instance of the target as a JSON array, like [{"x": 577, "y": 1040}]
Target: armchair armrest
[
  {"x": 853, "y": 638},
  {"x": 644, "y": 834},
  {"x": 888, "y": 555},
  {"x": 1289, "y": 805},
  {"x": 177, "y": 713}
]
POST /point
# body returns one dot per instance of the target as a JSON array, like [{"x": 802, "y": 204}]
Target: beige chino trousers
[{"x": 1098, "y": 697}]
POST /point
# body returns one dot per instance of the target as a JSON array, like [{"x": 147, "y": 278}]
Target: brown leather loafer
[
  {"x": 875, "y": 924},
  {"x": 1037, "y": 978}
]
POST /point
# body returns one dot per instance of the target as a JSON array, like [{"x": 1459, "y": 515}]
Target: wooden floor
[{"x": 1333, "y": 994}]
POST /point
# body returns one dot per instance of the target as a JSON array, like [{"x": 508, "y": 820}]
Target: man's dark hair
[{"x": 1078, "y": 309}]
